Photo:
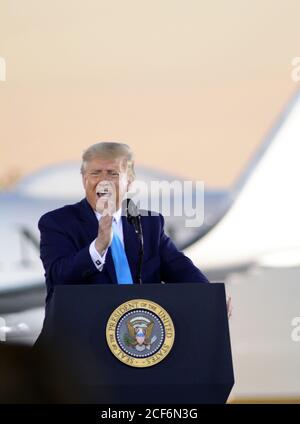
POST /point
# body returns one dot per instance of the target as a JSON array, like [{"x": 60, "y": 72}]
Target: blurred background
[
  {"x": 195, "y": 88},
  {"x": 191, "y": 86}
]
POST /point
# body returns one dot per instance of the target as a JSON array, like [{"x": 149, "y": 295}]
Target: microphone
[{"x": 134, "y": 218}]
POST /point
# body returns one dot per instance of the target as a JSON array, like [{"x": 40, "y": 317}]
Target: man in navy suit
[{"x": 77, "y": 241}]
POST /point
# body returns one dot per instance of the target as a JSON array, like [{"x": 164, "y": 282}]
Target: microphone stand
[
  {"x": 134, "y": 218},
  {"x": 138, "y": 230}
]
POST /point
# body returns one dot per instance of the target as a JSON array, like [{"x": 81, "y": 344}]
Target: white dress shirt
[{"x": 99, "y": 260}]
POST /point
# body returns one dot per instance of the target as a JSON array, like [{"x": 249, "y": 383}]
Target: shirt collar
[{"x": 116, "y": 215}]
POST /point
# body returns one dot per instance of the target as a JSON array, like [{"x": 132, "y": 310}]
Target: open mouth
[{"x": 103, "y": 193}]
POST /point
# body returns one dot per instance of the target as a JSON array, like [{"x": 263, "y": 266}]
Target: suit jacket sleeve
[
  {"x": 63, "y": 261},
  {"x": 175, "y": 266}
]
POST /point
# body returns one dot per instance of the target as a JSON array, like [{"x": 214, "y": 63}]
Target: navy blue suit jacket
[{"x": 67, "y": 233}]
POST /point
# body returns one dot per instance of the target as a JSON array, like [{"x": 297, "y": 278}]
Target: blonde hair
[{"x": 109, "y": 150}]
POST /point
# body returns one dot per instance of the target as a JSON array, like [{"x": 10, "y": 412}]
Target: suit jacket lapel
[{"x": 88, "y": 219}]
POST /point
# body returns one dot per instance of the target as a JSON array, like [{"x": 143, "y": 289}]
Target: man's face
[{"x": 105, "y": 182}]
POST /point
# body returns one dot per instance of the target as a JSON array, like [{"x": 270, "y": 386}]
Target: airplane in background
[
  {"x": 250, "y": 240},
  {"x": 255, "y": 249},
  {"x": 261, "y": 226},
  {"x": 21, "y": 272}
]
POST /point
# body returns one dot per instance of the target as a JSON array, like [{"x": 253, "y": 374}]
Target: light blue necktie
[{"x": 120, "y": 259}]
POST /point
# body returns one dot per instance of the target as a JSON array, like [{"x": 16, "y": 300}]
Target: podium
[{"x": 197, "y": 368}]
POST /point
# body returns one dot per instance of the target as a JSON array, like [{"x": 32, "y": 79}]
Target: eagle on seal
[{"x": 140, "y": 335}]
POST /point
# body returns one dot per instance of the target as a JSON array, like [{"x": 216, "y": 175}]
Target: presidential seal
[{"x": 140, "y": 333}]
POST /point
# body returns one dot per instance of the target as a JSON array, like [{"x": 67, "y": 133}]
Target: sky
[{"x": 192, "y": 86}]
